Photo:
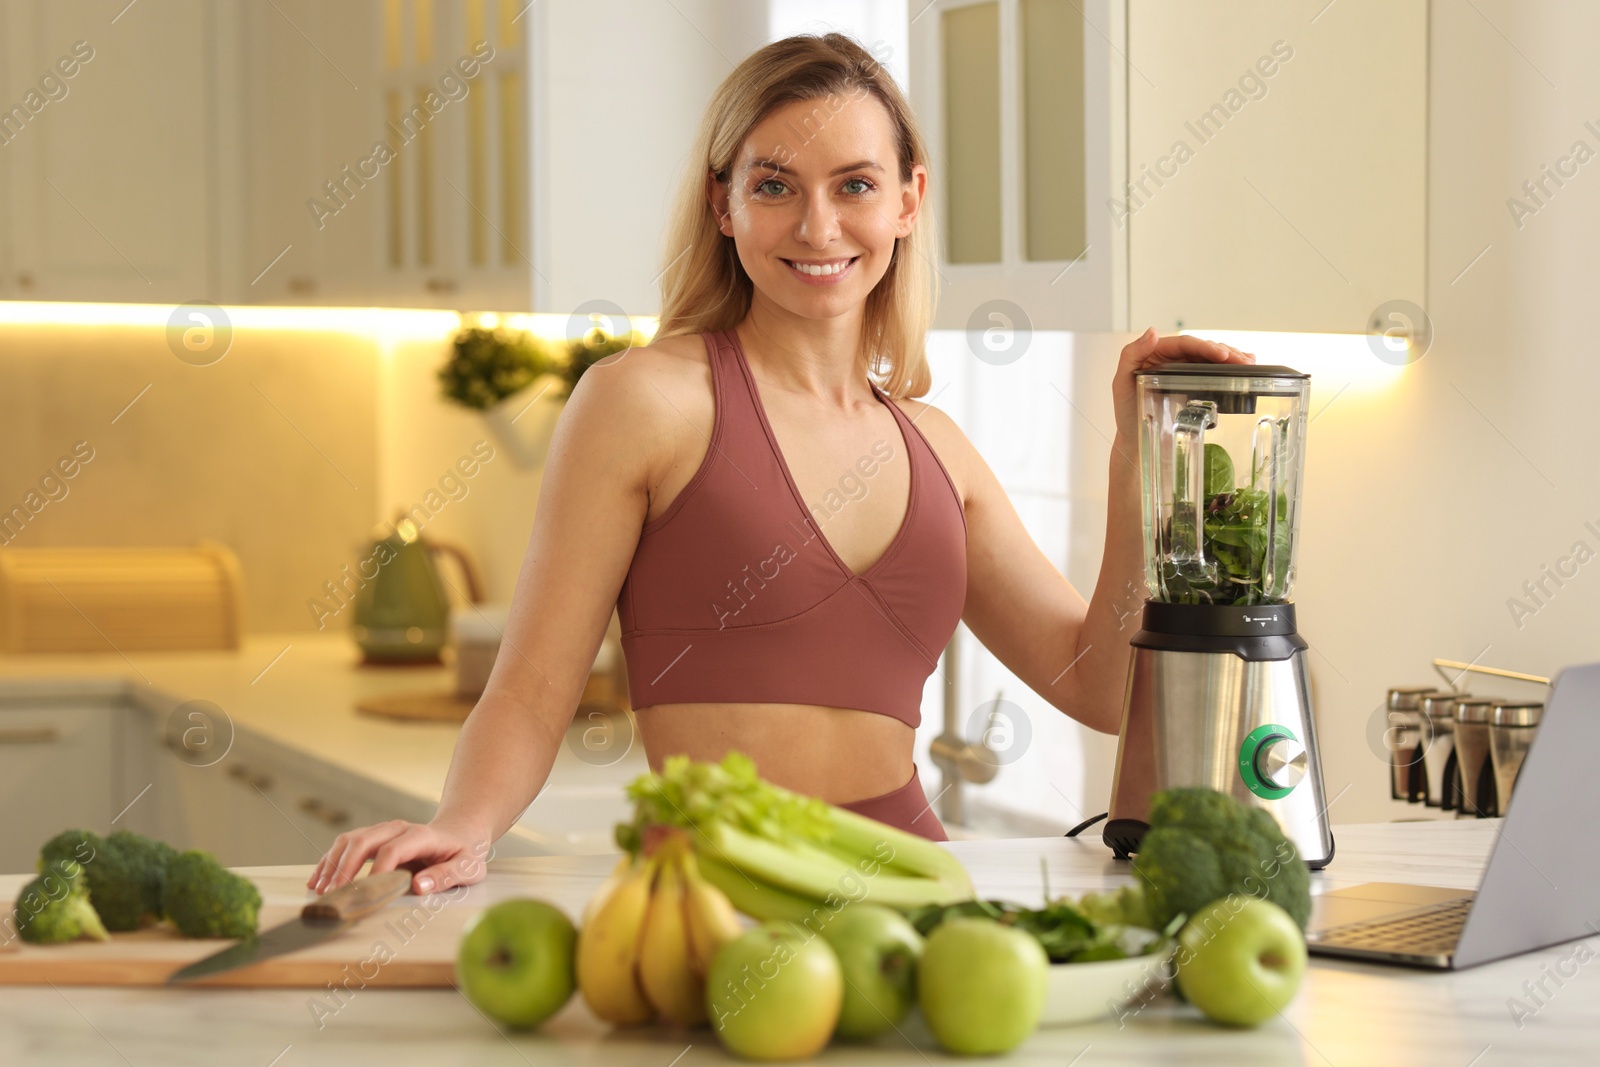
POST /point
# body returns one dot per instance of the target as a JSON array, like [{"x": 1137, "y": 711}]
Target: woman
[{"x": 788, "y": 545}]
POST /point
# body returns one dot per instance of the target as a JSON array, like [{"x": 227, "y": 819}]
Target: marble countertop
[
  {"x": 1347, "y": 1014},
  {"x": 300, "y": 690}
]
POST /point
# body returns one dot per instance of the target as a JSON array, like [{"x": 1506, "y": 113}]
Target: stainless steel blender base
[{"x": 1216, "y": 719}]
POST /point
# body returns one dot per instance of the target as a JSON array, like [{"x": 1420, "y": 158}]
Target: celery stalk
[
  {"x": 912, "y": 855},
  {"x": 754, "y": 898},
  {"x": 781, "y": 854},
  {"x": 808, "y": 871}
]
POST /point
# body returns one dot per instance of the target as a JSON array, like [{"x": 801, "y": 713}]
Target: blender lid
[
  {"x": 1232, "y": 387},
  {"x": 1226, "y": 370}
]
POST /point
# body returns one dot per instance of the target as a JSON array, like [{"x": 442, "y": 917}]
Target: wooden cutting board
[{"x": 410, "y": 944}]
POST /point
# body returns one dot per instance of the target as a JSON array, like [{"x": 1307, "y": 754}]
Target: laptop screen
[{"x": 1542, "y": 883}]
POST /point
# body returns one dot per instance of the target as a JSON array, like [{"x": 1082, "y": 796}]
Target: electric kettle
[{"x": 402, "y": 613}]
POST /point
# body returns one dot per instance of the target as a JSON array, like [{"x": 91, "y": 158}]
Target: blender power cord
[{"x": 1085, "y": 824}]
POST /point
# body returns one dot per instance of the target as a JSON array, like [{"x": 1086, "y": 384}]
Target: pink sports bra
[{"x": 735, "y": 595}]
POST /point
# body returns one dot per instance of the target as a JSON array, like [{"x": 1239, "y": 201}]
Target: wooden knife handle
[{"x": 360, "y": 898}]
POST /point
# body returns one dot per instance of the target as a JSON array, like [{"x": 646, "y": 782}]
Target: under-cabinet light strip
[{"x": 394, "y": 323}]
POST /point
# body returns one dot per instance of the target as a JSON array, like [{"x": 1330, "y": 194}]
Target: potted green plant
[
  {"x": 519, "y": 382},
  {"x": 595, "y": 346},
  {"x": 514, "y": 380}
]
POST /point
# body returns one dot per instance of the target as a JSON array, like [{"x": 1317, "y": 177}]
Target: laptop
[{"x": 1541, "y": 885}]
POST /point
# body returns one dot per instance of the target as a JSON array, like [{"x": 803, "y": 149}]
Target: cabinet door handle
[
  {"x": 30, "y": 735},
  {"x": 317, "y": 809},
  {"x": 244, "y": 774}
]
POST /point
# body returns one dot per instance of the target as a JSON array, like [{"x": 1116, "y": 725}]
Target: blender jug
[
  {"x": 1217, "y": 690},
  {"x": 1221, "y": 452}
]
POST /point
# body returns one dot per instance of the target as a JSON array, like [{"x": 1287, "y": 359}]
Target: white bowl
[{"x": 1083, "y": 992}]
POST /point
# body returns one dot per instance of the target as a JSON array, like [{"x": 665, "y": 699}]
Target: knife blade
[{"x": 327, "y": 916}]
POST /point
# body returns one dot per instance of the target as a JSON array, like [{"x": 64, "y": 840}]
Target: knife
[{"x": 327, "y": 916}]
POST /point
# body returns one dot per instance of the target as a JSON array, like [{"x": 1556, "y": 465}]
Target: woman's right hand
[
  {"x": 440, "y": 856},
  {"x": 1150, "y": 349}
]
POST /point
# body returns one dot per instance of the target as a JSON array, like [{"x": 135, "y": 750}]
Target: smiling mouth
[{"x": 822, "y": 269}]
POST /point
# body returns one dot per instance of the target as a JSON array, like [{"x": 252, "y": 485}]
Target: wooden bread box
[{"x": 102, "y": 599}]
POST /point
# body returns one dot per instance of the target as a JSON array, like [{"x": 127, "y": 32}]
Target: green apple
[
  {"x": 878, "y": 949},
  {"x": 981, "y": 985},
  {"x": 774, "y": 992},
  {"x": 515, "y": 961},
  {"x": 1240, "y": 960}
]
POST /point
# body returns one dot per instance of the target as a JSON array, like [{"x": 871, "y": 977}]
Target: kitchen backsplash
[{"x": 289, "y": 449}]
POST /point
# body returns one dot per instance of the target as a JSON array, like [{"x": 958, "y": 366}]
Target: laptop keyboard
[{"x": 1431, "y": 931}]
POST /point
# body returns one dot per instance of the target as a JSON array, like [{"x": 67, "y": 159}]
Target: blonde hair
[{"x": 704, "y": 286}]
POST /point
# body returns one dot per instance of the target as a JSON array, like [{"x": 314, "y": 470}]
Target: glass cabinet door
[{"x": 1023, "y": 103}]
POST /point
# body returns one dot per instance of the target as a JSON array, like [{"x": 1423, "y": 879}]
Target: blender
[{"x": 1217, "y": 691}]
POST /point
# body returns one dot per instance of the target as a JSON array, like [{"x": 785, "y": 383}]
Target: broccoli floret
[
  {"x": 205, "y": 899},
  {"x": 1203, "y": 845},
  {"x": 1180, "y": 872},
  {"x": 123, "y": 873},
  {"x": 55, "y": 907},
  {"x": 75, "y": 847},
  {"x": 138, "y": 869},
  {"x": 125, "y": 880},
  {"x": 1195, "y": 806}
]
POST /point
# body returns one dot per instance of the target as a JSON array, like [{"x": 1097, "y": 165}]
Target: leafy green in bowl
[
  {"x": 1104, "y": 956},
  {"x": 1102, "y": 926}
]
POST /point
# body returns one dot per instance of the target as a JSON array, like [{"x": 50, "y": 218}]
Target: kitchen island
[
  {"x": 285, "y": 708},
  {"x": 301, "y": 763},
  {"x": 1346, "y": 1013}
]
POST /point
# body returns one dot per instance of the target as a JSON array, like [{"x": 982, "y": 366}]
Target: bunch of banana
[{"x": 649, "y": 936}]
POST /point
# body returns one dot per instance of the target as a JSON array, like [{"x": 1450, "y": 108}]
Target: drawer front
[{"x": 55, "y": 774}]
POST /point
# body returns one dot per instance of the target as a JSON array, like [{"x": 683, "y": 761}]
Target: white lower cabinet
[
  {"x": 256, "y": 803},
  {"x": 104, "y": 761},
  {"x": 54, "y": 762}
]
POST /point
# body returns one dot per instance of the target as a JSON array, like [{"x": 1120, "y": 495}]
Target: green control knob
[{"x": 1272, "y": 761}]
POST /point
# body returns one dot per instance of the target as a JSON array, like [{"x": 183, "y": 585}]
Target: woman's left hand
[{"x": 1152, "y": 349}]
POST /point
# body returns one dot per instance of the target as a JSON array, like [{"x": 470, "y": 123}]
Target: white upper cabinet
[
  {"x": 304, "y": 95},
  {"x": 387, "y": 154},
  {"x": 1277, "y": 162},
  {"x": 453, "y": 85},
  {"x": 1021, "y": 103},
  {"x": 266, "y": 151},
  {"x": 109, "y": 136},
  {"x": 1255, "y": 165},
  {"x": 1098, "y": 164}
]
